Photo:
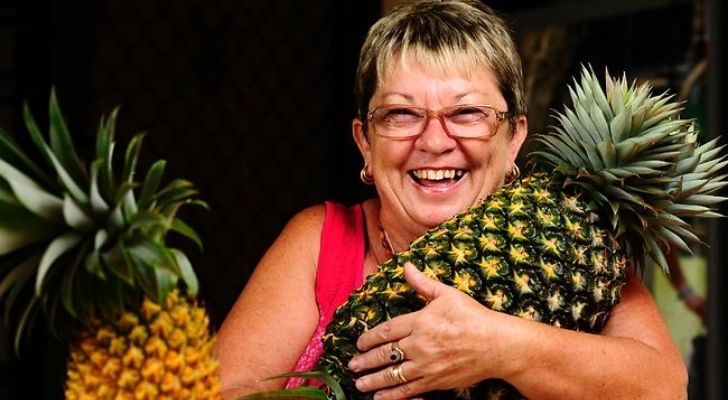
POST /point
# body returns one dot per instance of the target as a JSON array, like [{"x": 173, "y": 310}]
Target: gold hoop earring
[
  {"x": 365, "y": 177},
  {"x": 513, "y": 174}
]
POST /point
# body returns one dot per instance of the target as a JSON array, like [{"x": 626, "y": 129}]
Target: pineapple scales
[
  {"x": 610, "y": 185},
  {"x": 85, "y": 247}
]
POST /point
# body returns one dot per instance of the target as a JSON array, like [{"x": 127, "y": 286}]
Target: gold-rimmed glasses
[{"x": 461, "y": 121}]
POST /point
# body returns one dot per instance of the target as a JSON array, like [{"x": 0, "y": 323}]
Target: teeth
[{"x": 437, "y": 175}]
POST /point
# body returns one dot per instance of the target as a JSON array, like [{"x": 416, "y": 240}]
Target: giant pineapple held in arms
[
  {"x": 610, "y": 186},
  {"x": 87, "y": 249}
]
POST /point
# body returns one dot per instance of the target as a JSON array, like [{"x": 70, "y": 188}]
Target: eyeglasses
[{"x": 462, "y": 121}]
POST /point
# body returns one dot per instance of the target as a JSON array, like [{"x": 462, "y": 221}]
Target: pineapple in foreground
[
  {"x": 85, "y": 247},
  {"x": 610, "y": 186}
]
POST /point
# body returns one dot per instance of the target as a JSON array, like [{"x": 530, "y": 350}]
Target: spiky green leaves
[
  {"x": 628, "y": 150},
  {"x": 79, "y": 242}
]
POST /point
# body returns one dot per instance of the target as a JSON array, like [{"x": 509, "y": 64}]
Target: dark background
[{"x": 252, "y": 101}]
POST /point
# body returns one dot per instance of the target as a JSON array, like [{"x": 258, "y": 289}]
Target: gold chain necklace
[{"x": 386, "y": 243}]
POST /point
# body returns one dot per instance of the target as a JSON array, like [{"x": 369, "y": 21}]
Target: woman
[{"x": 441, "y": 120}]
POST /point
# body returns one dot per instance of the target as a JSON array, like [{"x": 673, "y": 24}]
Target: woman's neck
[{"x": 394, "y": 232}]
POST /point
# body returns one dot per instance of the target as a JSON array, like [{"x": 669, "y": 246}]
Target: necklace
[{"x": 386, "y": 243}]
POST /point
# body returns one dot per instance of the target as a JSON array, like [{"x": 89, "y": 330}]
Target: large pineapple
[
  {"x": 609, "y": 186},
  {"x": 85, "y": 247}
]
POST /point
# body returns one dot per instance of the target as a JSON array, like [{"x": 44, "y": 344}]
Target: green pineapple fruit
[{"x": 87, "y": 250}]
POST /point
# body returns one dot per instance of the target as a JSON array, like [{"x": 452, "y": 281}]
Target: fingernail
[{"x": 353, "y": 365}]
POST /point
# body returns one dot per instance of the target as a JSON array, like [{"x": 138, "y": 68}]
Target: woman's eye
[
  {"x": 468, "y": 114},
  {"x": 402, "y": 114}
]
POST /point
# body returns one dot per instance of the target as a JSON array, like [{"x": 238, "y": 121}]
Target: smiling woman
[
  {"x": 410, "y": 171},
  {"x": 440, "y": 121}
]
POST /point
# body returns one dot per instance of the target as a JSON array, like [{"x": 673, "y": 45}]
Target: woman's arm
[
  {"x": 276, "y": 314},
  {"x": 456, "y": 342}
]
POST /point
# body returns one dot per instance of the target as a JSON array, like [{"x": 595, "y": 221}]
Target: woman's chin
[{"x": 433, "y": 216}]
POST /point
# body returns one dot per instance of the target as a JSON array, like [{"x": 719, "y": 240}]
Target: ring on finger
[
  {"x": 396, "y": 354},
  {"x": 397, "y": 374}
]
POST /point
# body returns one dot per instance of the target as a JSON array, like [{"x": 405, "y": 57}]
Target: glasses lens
[
  {"x": 471, "y": 121},
  {"x": 398, "y": 121}
]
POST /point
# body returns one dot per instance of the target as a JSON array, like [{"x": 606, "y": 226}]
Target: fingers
[
  {"x": 396, "y": 382},
  {"x": 421, "y": 283},
  {"x": 386, "y": 332},
  {"x": 380, "y": 356}
]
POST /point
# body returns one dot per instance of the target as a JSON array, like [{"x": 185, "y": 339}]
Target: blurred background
[{"x": 252, "y": 101}]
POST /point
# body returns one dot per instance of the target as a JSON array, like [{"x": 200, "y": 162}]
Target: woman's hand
[{"x": 445, "y": 345}]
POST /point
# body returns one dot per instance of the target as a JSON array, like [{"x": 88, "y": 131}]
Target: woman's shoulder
[{"x": 307, "y": 223}]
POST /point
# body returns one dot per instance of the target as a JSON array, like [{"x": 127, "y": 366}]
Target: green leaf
[
  {"x": 151, "y": 184},
  {"x": 68, "y": 280},
  {"x": 18, "y": 275},
  {"x": 147, "y": 220},
  {"x": 600, "y": 122},
  {"x": 31, "y": 195},
  {"x": 35, "y": 135},
  {"x": 92, "y": 264},
  {"x": 188, "y": 273},
  {"x": 302, "y": 393},
  {"x": 105, "y": 151},
  {"x": 75, "y": 216},
  {"x": 132, "y": 155},
  {"x": 25, "y": 263},
  {"x": 154, "y": 255},
  {"x": 119, "y": 265},
  {"x": 182, "y": 228},
  {"x": 166, "y": 281},
  {"x": 55, "y": 249},
  {"x": 98, "y": 204},
  {"x": 20, "y": 228},
  {"x": 69, "y": 183},
  {"x": 28, "y": 315},
  {"x": 62, "y": 144},
  {"x": 100, "y": 239},
  {"x": 674, "y": 239},
  {"x": 14, "y": 155},
  {"x": 116, "y": 222},
  {"x": 607, "y": 153},
  {"x": 687, "y": 210},
  {"x": 129, "y": 205},
  {"x": 178, "y": 189}
]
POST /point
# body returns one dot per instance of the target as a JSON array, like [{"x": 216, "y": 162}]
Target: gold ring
[
  {"x": 395, "y": 353},
  {"x": 397, "y": 374}
]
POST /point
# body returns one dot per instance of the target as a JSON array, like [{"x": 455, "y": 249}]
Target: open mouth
[{"x": 436, "y": 176}]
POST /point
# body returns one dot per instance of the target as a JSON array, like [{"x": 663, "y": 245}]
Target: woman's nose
[{"x": 434, "y": 138}]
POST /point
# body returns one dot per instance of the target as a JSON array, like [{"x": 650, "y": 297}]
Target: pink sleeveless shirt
[{"x": 340, "y": 270}]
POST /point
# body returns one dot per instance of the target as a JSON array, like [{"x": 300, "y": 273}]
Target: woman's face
[{"x": 425, "y": 180}]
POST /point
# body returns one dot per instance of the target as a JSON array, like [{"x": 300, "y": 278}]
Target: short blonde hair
[{"x": 441, "y": 34}]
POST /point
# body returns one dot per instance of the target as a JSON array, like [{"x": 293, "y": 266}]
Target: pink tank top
[{"x": 340, "y": 270}]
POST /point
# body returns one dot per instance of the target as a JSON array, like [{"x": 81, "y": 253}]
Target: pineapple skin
[
  {"x": 163, "y": 351},
  {"x": 531, "y": 249}
]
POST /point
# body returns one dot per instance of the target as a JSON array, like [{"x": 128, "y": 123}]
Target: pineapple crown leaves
[
  {"x": 629, "y": 151},
  {"x": 79, "y": 243}
]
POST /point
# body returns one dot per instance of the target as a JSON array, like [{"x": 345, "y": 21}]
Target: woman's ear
[
  {"x": 362, "y": 140},
  {"x": 519, "y": 136}
]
